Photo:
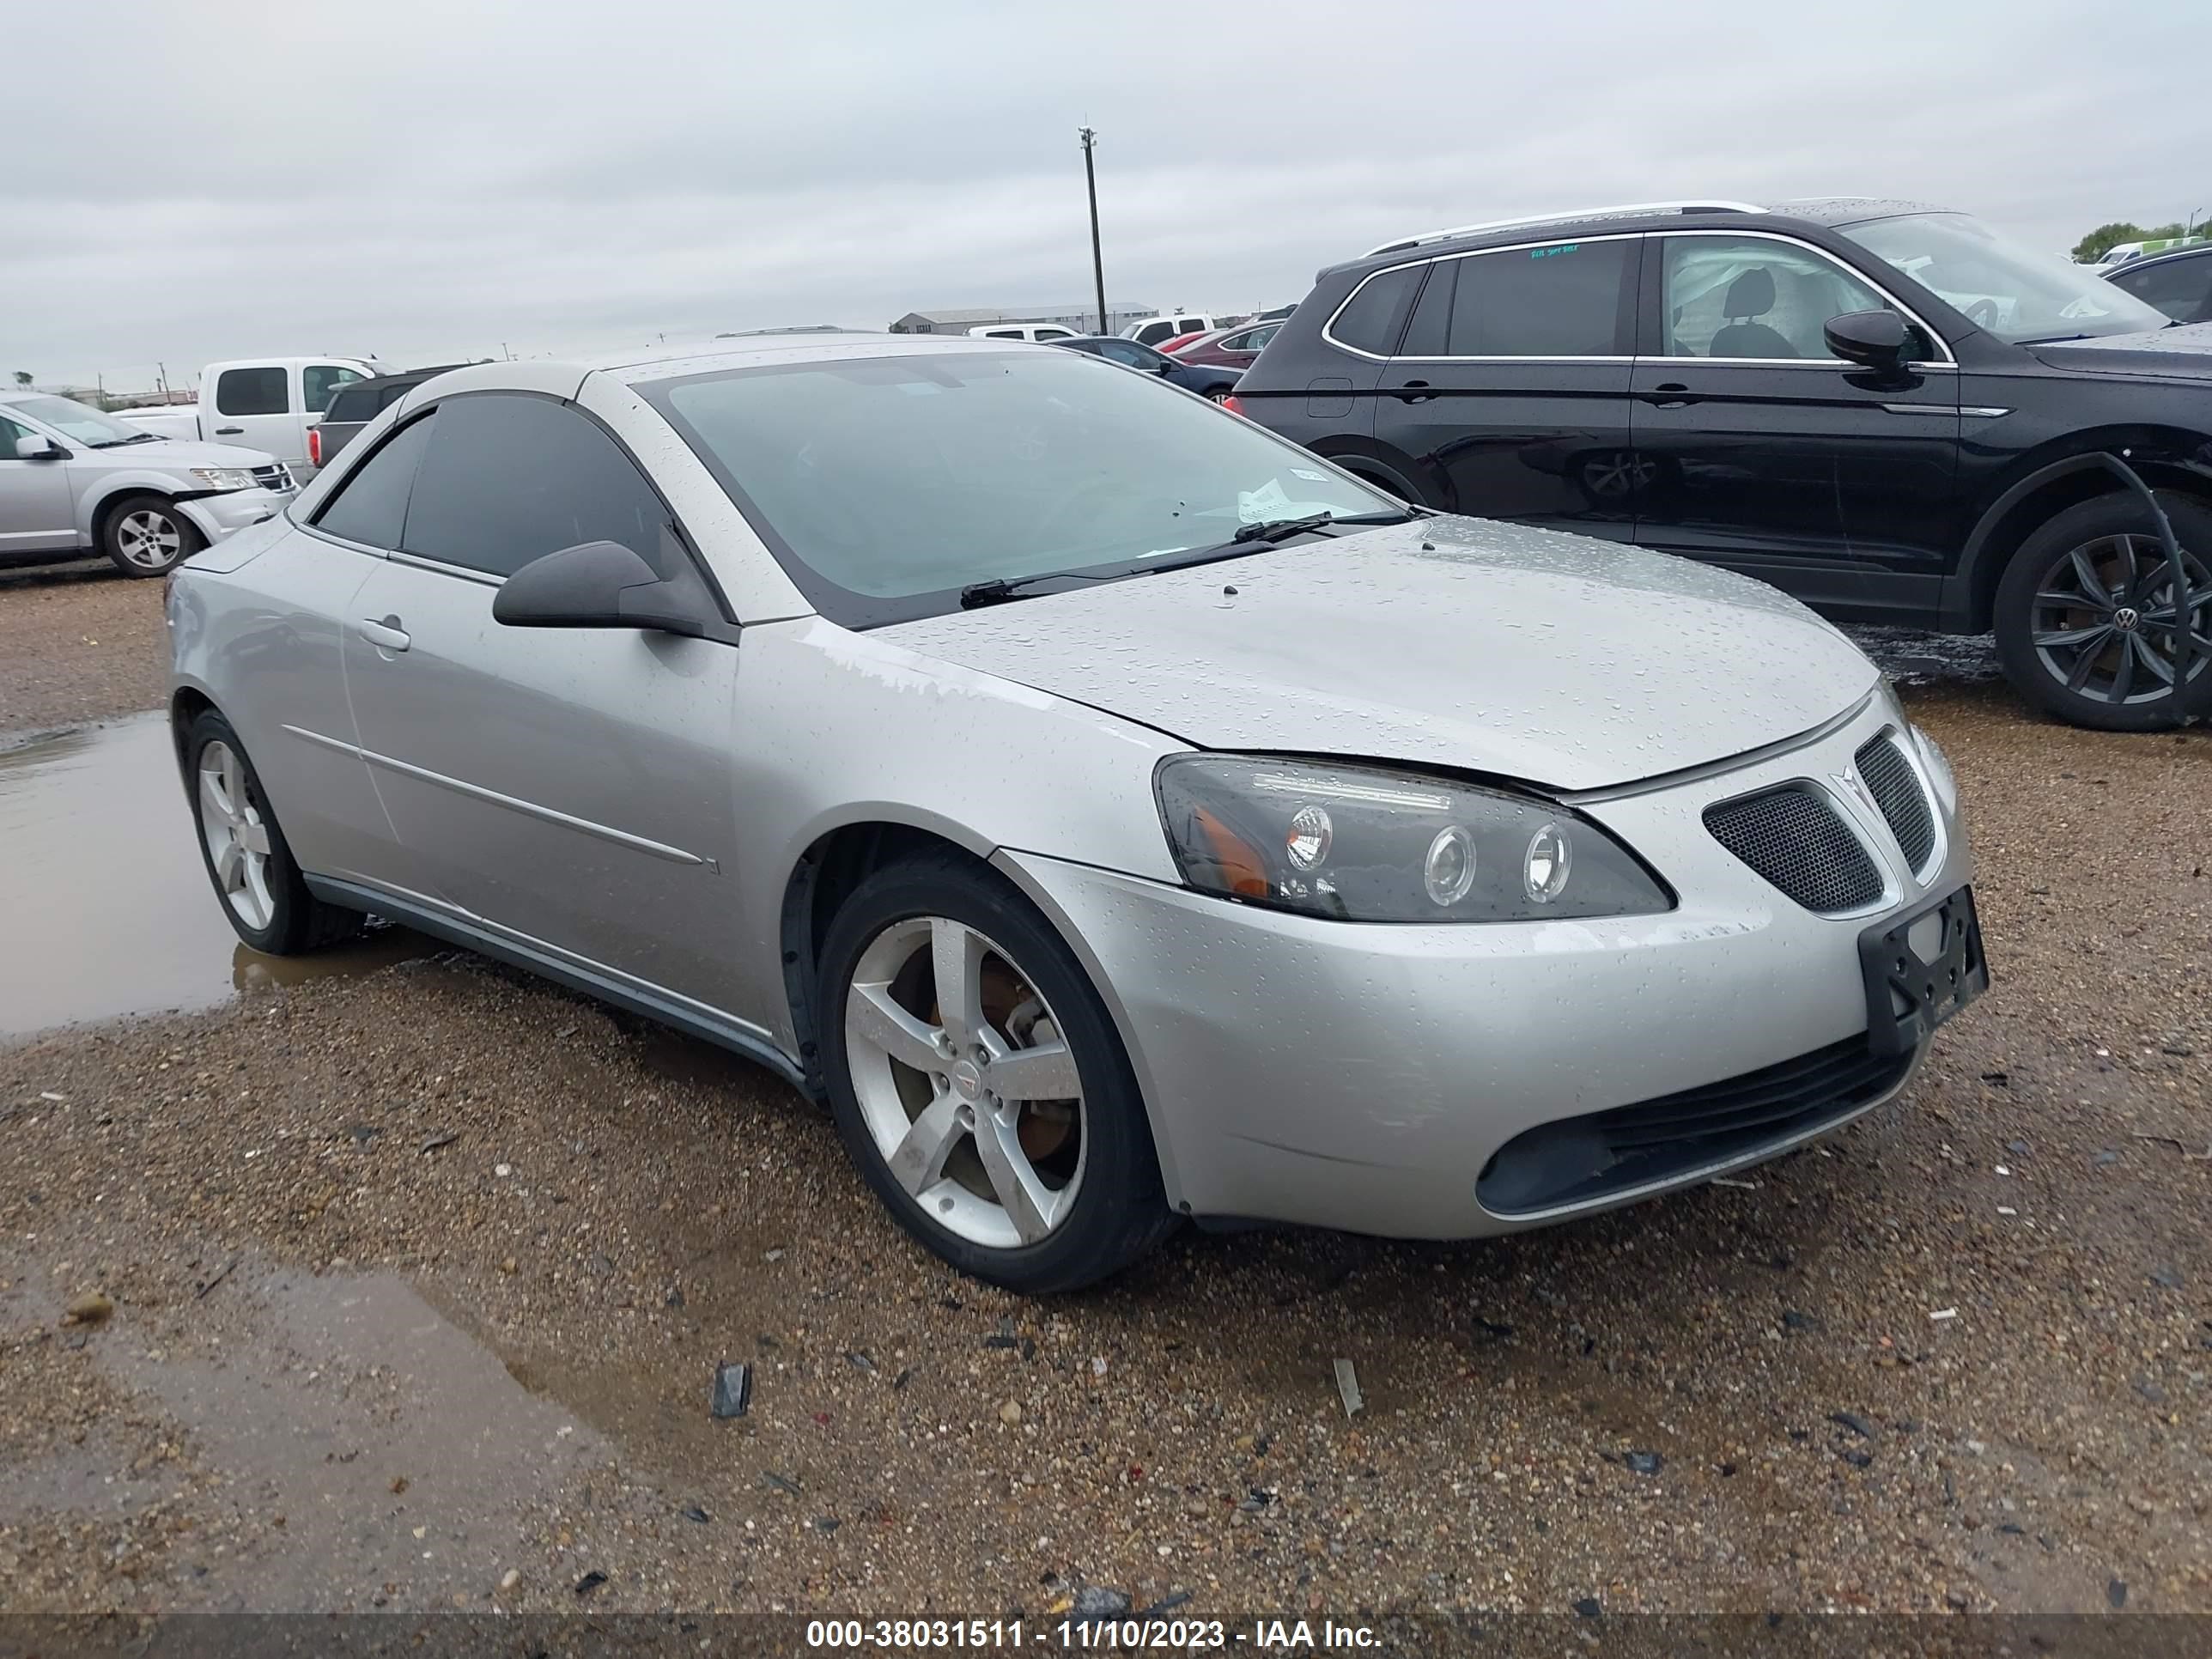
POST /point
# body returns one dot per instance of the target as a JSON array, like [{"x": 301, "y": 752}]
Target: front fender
[{"x": 2164, "y": 456}]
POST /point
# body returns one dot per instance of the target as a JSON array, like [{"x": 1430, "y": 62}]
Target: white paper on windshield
[{"x": 1268, "y": 502}]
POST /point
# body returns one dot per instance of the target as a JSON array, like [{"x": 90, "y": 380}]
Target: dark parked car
[
  {"x": 2178, "y": 284},
  {"x": 355, "y": 405},
  {"x": 1888, "y": 410},
  {"x": 1208, "y": 379}
]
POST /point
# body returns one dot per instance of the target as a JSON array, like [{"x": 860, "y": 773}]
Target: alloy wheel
[
  {"x": 149, "y": 538},
  {"x": 2107, "y": 619},
  {"x": 237, "y": 837},
  {"x": 968, "y": 1090}
]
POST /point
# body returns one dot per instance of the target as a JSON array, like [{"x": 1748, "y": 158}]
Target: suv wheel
[
  {"x": 979, "y": 1083},
  {"x": 2089, "y": 615},
  {"x": 146, "y": 536}
]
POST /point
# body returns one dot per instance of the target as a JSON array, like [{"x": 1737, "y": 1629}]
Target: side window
[
  {"x": 2182, "y": 288},
  {"x": 1749, "y": 296},
  {"x": 371, "y": 506},
  {"x": 1153, "y": 333},
  {"x": 251, "y": 392},
  {"x": 1004, "y": 334},
  {"x": 9, "y": 434},
  {"x": 1566, "y": 300},
  {"x": 1428, "y": 332},
  {"x": 1368, "y": 320},
  {"x": 1128, "y": 352},
  {"x": 318, "y": 380},
  {"x": 512, "y": 478}
]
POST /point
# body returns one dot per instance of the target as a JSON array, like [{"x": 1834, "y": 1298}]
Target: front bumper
[
  {"x": 1362, "y": 1077},
  {"x": 218, "y": 516}
]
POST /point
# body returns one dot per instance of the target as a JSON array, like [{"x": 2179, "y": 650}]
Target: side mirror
[
  {"x": 35, "y": 448},
  {"x": 1873, "y": 339},
  {"x": 598, "y": 585}
]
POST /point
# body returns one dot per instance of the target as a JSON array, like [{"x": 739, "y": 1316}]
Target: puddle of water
[
  {"x": 396, "y": 1446},
  {"x": 107, "y": 904}
]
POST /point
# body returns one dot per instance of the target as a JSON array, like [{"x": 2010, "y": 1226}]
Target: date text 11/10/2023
[{"x": 1138, "y": 1632}]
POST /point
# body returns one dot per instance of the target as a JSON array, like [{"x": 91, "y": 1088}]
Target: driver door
[
  {"x": 37, "y": 510},
  {"x": 568, "y": 787},
  {"x": 1759, "y": 451}
]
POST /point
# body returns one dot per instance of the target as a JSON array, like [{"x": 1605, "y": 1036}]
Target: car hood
[
  {"x": 174, "y": 455},
  {"x": 2184, "y": 353},
  {"x": 1558, "y": 660}
]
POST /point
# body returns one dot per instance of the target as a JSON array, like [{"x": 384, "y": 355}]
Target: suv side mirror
[
  {"x": 598, "y": 585},
  {"x": 1873, "y": 339},
  {"x": 35, "y": 448}
]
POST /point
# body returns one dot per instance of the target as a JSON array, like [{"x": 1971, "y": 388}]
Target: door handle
[
  {"x": 385, "y": 635},
  {"x": 1670, "y": 394},
  {"x": 1414, "y": 392},
  {"x": 228, "y": 431}
]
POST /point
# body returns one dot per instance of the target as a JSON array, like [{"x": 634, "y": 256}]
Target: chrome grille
[
  {"x": 1896, "y": 789},
  {"x": 1793, "y": 836},
  {"x": 275, "y": 476}
]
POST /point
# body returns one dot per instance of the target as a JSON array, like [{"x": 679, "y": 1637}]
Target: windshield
[
  {"x": 2013, "y": 292},
  {"x": 74, "y": 420},
  {"x": 885, "y": 486}
]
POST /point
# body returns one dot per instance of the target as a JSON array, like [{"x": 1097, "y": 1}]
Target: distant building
[{"x": 1083, "y": 319}]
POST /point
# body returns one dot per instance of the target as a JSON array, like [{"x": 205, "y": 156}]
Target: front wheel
[
  {"x": 2091, "y": 617},
  {"x": 979, "y": 1083},
  {"x": 147, "y": 536},
  {"x": 247, "y": 858}
]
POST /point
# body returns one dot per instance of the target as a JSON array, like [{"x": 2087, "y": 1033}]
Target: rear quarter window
[{"x": 1370, "y": 319}]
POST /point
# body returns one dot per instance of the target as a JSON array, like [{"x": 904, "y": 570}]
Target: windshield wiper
[
  {"x": 2050, "y": 339},
  {"x": 1265, "y": 533},
  {"x": 1268, "y": 532},
  {"x": 134, "y": 438}
]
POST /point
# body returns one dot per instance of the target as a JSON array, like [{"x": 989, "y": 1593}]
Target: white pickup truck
[{"x": 262, "y": 403}]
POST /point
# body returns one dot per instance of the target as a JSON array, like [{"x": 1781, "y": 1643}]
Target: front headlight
[
  {"x": 1361, "y": 844},
  {"x": 224, "y": 477}
]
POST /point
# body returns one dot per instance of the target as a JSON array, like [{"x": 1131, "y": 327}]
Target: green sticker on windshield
[{"x": 1546, "y": 252}]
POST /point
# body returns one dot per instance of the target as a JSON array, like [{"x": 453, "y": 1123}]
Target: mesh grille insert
[
  {"x": 1582, "y": 1159},
  {"x": 1896, "y": 789},
  {"x": 1792, "y": 836}
]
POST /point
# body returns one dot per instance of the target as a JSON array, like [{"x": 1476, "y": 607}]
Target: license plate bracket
[{"x": 1910, "y": 990}]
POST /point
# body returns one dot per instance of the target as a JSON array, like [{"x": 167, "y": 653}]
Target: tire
[
  {"x": 246, "y": 857},
  {"x": 935, "y": 1111},
  {"x": 2098, "y": 660},
  {"x": 146, "y": 536},
  {"x": 1220, "y": 393}
]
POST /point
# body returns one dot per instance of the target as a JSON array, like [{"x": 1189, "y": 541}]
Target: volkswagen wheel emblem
[{"x": 2127, "y": 618}]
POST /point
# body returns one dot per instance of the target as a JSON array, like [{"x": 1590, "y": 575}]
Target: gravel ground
[
  {"x": 419, "y": 1282},
  {"x": 78, "y": 642}
]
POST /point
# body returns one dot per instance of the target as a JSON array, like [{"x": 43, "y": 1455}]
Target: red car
[{"x": 1232, "y": 347}]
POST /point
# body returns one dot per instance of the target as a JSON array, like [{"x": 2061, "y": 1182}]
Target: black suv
[{"x": 1886, "y": 410}]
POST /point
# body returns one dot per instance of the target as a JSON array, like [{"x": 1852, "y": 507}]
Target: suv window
[
  {"x": 510, "y": 478},
  {"x": 1564, "y": 300},
  {"x": 2182, "y": 288},
  {"x": 10, "y": 434},
  {"x": 1153, "y": 333},
  {"x": 251, "y": 392},
  {"x": 1368, "y": 320},
  {"x": 371, "y": 506},
  {"x": 1753, "y": 297},
  {"x": 318, "y": 380}
]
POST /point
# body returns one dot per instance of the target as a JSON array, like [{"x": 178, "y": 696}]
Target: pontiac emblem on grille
[{"x": 1849, "y": 781}]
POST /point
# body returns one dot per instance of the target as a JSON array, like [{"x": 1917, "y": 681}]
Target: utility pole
[{"x": 1097, "y": 260}]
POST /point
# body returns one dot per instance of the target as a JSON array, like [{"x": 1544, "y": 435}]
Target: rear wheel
[
  {"x": 2091, "y": 615},
  {"x": 147, "y": 536},
  {"x": 979, "y": 1083},
  {"x": 248, "y": 859}
]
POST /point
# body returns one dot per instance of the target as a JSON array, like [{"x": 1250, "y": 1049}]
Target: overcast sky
[{"x": 194, "y": 179}]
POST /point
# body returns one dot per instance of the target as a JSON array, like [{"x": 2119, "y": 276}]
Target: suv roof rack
[{"x": 1700, "y": 205}]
